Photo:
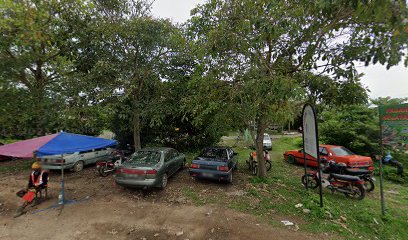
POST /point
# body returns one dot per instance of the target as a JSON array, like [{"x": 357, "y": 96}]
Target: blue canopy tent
[
  {"x": 55, "y": 144},
  {"x": 59, "y": 143},
  {"x": 65, "y": 143}
]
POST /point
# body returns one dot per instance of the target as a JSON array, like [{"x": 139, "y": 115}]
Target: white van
[{"x": 75, "y": 161}]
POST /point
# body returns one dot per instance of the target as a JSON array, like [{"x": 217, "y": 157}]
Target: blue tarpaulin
[{"x": 65, "y": 143}]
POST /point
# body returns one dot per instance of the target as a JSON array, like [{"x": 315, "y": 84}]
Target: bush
[{"x": 355, "y": 127}]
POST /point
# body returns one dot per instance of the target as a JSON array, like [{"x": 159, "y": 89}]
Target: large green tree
[
  {"x": 256, "y": 49},
  {"x": 36, "y": 41},
  {"x": 125, "y": 56}
]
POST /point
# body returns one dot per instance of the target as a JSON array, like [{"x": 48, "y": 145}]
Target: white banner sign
[{"x": 309, "y": 131}]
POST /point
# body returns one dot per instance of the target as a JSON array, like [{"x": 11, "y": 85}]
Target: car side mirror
[{"x": 235, "y": 154}]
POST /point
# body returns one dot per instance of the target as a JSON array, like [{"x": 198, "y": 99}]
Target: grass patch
[
  {"x": 193, "y": 196},
  {"x": 349, "y": 218},
  {"x": 281, "y": 190},
  {"x": 8, "y": 141},
  {"x": 17, "y": 166}
]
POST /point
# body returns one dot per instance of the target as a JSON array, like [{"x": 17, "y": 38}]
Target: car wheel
[
  {"x": 78, "y": 166},
  {"x": 236, "y": 166},
  {"x": 164, "y": 181},
  {"x": 229, "y": 180},
  {"x": 291, "y": 159}
]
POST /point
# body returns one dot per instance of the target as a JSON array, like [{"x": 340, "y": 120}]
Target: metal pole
[
  {"x": 305, "y": 159},
  {"x": 62, "y": 200},
  {"x": 381, "y": 168},
  {"x": 304, "y": 152},
  {"x": 320, "y": 177},
  {"x": 318, "y": 160}
]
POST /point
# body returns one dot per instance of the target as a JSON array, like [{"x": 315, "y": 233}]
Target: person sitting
[
  {"x": 389, "y": 159},
  {"x": 37, "y": 181}
]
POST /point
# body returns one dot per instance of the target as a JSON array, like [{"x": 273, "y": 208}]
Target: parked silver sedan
[{"x": 150, "y": 167}]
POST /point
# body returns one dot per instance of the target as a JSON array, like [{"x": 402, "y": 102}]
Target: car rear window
[
  {"x": 145, "y": 158},
  {"x": 342, "y": 151},
  {"x": 215, "y": 153}
]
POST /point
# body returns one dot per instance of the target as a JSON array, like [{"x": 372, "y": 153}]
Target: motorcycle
[
  {"x": 341, "y": 168},
  {"x": 253, "y": 163},
  {"x": 351, "y": 186},
  {"x": 104, "y": 168}
]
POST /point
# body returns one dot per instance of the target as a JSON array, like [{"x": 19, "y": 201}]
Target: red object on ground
[
  {"x": 338, "y": 154},
  {"x": 29, "y": 196},
  {"x": 25, "y": 149}
]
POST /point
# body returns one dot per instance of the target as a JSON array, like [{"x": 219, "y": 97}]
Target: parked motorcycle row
[{"x": 337, "y": 177}]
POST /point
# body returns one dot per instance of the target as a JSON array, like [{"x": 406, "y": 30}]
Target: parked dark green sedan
[{"x": 150, "y": 167}]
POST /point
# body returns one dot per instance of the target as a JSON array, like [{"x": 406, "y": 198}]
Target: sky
[{"x": 380, "y": 81}]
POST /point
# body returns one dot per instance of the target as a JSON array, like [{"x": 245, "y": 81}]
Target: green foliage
[
  {"x": 326, "y": 91},
  {"x": 355, "y": 127},
  {"x": 252, "y": 54},
  {"x": 37, "y": 51},
  {"x": 388, "y": 101}
]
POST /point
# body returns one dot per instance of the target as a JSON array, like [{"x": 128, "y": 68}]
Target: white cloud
[
  {"x": 383, "y": 82},
  {"x": 176, "y": 10}
]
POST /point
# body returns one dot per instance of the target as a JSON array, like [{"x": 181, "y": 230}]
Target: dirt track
[{"x": 111, "y": 212}]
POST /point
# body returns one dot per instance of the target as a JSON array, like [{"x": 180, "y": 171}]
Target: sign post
[
  {"x": 394, "y": 134},
  {"x": 311, "y": 143}
]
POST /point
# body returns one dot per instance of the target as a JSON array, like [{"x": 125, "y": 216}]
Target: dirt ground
[{"x": 106, "y": 211}]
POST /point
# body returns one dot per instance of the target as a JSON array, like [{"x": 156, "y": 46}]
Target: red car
[{"x": 338, "y": 154}]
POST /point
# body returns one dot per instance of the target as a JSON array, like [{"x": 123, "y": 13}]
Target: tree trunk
[
  {"x": 253, "y": 135},
  {"x": 39, "y": 114},
  {"x": 261, "y": 126},
  {"x": 136, "y": 130}
]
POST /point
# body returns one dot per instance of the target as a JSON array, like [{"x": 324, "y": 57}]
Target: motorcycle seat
[
  {"x": 357, "y": 171},
  {"x": 345, "y": 177}
]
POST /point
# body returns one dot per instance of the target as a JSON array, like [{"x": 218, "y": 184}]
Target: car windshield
[
  {"x": 215, "y": 153},
  {"x": 144, "y": 158},
  {"x": 267, "y": 138},
  {"x": 342, "y": 151}
]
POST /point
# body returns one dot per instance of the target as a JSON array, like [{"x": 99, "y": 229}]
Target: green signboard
[{"x": 394, "y": 125}]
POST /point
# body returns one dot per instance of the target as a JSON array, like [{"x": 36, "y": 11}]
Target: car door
[
  {"x": 169, "y": 162},
  {"x": 178, "y": 160}
]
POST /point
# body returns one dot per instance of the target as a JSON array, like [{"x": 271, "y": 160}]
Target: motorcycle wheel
[
  {"x": 358, "y": 192},
  {"x": 249, "y": 164},
  {"x": 311, "y": 180},
  {"x": 369, "y": 185},
  {"x": 103, "y": 171},
  {"x": 268, "y": 165}
]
